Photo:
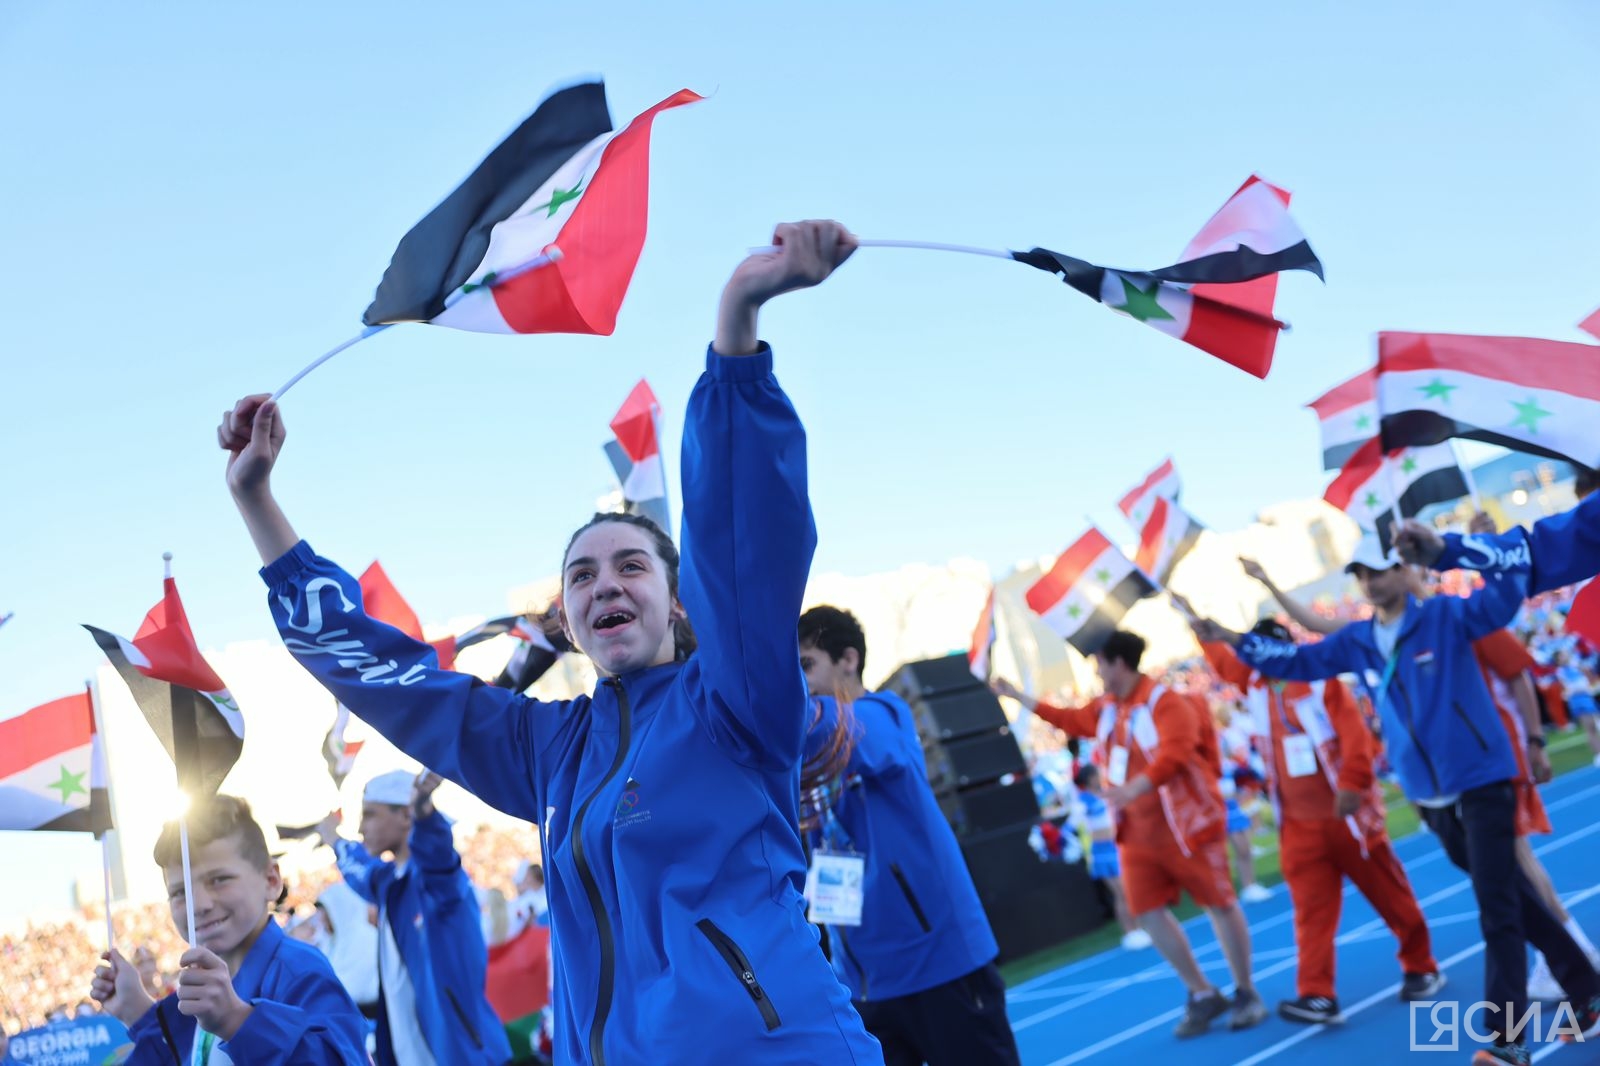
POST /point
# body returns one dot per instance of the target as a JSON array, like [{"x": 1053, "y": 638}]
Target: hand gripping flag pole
[{"x": 551, "y": 255}]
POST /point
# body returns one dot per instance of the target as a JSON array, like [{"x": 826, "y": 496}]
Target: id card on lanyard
[{"x": 835, "y": 887}]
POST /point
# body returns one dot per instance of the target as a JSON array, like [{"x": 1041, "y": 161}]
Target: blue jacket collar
[
  {"x": 644, "y": 688},
  {"x": 247, "y": 982}
]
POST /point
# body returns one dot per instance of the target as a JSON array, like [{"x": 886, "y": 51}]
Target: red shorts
[{"x": 1153, "y": 879}]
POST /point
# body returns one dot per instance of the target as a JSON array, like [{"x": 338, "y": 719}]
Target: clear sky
[{"x": 196, "y": 199}]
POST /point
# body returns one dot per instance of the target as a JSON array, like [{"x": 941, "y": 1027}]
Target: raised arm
[
  {"x": 748, "y": 532},
  {"x": 1336, "y": 655},
  {"x": 1073, "y": 721},
  {"x": 472, "y": 733},
  {"x": 1302, "y": 615},
  {"x": 1558, "y": 551}
]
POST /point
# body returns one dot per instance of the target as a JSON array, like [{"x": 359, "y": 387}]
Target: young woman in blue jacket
[{"x": 668, "y": 798}]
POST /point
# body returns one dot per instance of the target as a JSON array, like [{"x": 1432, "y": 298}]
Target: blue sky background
[{"x": 200, "y": 198}]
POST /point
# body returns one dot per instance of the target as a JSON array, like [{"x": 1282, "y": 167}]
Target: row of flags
[{"x": 196, "y": 718}]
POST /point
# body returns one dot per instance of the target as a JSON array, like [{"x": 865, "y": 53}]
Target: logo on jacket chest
[{"x": 630, "y": 806}]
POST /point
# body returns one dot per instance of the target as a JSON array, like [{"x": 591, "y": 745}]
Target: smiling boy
[{"x": 247, "y": 993}]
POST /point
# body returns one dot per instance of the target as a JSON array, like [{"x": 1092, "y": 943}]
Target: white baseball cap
[
  {"x": 393, "y": 788},
  {"x": 1370, "y": 554}
]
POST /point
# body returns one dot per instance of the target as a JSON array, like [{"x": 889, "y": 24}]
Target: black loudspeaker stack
[{"x": 977, "y": 771}]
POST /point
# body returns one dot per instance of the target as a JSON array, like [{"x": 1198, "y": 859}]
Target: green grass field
[{"x": 1567, "y": 752}]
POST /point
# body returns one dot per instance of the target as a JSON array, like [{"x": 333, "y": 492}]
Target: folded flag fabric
[
  {"x": 1219, "y": 296},
  {"x": 980, "y": 652},
  {"x": 1162, "y": 483},
  {"x": 383, "y": 601},
  {"x": 1367, "y": 489},
  {"x": 1530, "y": 395},
  {"x": 1591, "y": 325},
  {"x": 1347, "y": 416},
  {"x": 52, "y": 769},
  {"x": 181, "y": 697},
  {"x": 338, "y": 752},
  {"x": 534, "y": 655},
  {"x": 563, "y": 185},
  {"x": 635, "y": 454},
  {"x": 1087, "y": 591},
  {"x": 1169, "y": 534}
]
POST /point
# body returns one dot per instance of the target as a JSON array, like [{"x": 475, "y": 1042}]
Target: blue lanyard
[{"x": 1277, "y": 688}]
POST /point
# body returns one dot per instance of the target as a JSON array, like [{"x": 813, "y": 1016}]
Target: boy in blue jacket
[
  {"x": 248, "y": 994},
  {"x": 1453, "y": 759},
  {"x": 920, "y": 965},
  {"x": 432, "y": 961},
  {"x": 668, "y": 799}
]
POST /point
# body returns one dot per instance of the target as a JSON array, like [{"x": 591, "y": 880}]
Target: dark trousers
[
  {"x": 1479, "y": 835},
  {"x": 959, "y": 1023}
]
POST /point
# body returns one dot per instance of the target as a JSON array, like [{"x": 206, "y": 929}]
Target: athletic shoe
[
  {"x": 1542, "y": 984},
  {"x": 1415, "y": 987},
  {"x": 1201, "y": 1012},
  {"x": 1135, "y": 940},
  {"x": 1248, "y": 1010},
  {"x": 1588, "y": 1019},
  {"x": 1313, "y": 1010},
  {"x": 1255, "y": 892},
  {"x": 1498, "y": 1055}
]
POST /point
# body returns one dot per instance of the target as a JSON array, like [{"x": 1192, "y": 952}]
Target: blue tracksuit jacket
[
  {"x": 668, "y": 798},
  {"x": 433, "y": 913},
  {"x": 302, "y": 1015},
  {"x": 1561, "y": 550},
  {"x": 921, "y": 922},
  {"x": 1440, "y": 725}
]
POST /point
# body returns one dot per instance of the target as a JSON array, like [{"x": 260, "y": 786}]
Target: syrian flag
[
  {"x": 1087, "y": 591},
  {"x": 53, "y": 769},
  {"x": 535, "y": 653},
  {"x": 1169, "y": 534},
  {"x": 1367, "y": 488},
  {"x": 542, "y": 237},
  {"x": 339, "y": 753},
  {"x": 1530, "y": 395},
  {"x": 1161, "y": 484},
  {"x": 1219, "y": 296},
  {"x": 187, "y": 705},
  {"x": 383, "y": 601},
  {"x": 1347, "y": 415},
  {"x": 635, "y": 454},
  {"x": 980, "y": 651},
  {"x": 1591, "y": 325}
]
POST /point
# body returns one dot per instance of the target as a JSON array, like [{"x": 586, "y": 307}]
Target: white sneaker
[
  {"x": 1542, "y": 984},
  {"x": 1255, "y": 892},
  {"x": 1135, "y": 940}
]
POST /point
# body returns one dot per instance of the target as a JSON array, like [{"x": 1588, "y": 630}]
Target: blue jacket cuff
[
  {"x": 739, "y": 367},
  {"x": 288, "y": 564}
]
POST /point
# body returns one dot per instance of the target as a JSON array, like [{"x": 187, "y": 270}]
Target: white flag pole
[
  {"x": 1394, "y": 496},
  {"x": 183, "y": 818},
  {"x": 490, "y": 281},
  {"x": 1466, "y": 475},
  {"x": 97, "y": 753},
  {"x": 926, "y": 246}
]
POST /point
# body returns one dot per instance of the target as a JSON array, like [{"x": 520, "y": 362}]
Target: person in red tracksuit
[
  {"x": 1331, "y": 824},
  {"x": 1162, "y": 766}
]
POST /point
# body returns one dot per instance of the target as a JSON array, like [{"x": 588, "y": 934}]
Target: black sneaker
[
  {"x": 1313, "y": 1010},
  {"x": 1201, "y": 1012},
  {"x": 1499, "y": 1054},
  {"x": 1248, "y": 1010},
  {"x": 1415, "y": 987}
]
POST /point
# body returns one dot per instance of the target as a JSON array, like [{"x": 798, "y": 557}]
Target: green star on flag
[
  {"x": 560, "y": 196},
  {"x": 70, "y": 784},
  {"x": 1364, "y": 422},
  {"x": 1529, "y": 414},
  {"x": 1074, "y": 611},
  {"x": 1103, "y": 576},
  {"x": 1438, "y": 390},
  {"x": 1408, "y": 465},
  {"x": 1371, "y": 502},
  {"x": 1140, "y": 303}
]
